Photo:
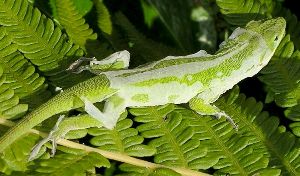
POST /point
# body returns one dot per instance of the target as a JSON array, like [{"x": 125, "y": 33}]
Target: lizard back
[{"x": 178, "y": 79}]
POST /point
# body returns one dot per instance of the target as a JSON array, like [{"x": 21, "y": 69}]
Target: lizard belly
[{"x": 159, "y": 94}]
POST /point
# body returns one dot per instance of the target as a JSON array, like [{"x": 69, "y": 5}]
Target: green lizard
[{"x": 198, "y": 79}]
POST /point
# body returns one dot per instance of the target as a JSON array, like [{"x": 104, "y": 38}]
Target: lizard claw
[{"x": 229, "y": 119}]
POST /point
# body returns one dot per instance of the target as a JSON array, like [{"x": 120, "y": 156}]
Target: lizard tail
[{"x": 95, "y": 89}]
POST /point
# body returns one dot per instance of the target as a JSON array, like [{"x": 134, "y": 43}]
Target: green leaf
[
  {"x": 171, "y": 136},
  {"x": 15, "y": 157},
  {"x": 239, "y": 12},
  {"x": 149, "y": 12},
  {"x": 40, "y": 41},
  {"x": 141, "y": 45},
  {"x": 268, "y": 140},
  {"x": 121, "y": 139},
  {"x": 9, "y": 102},
  {"x": 83, "y": 7},
  {"x": 227, "y": 151},
  {"x": 103, "y": 17},
  {"x": 292, "y": 23},
  {"x": 293, "y": 113},
  {"x": 282, "y": 76},
  {"x": 73, "y": 22},
  {"x": 131, "y": 170},
  {"x": 20, "y": 74},
  {"x": 80, "y": 163},
  {"x": 176, "y": 17},
  {"x": 284, "y": 66}
]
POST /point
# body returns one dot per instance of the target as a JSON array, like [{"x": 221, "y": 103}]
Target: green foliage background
[{"x": 39, "y": 39}]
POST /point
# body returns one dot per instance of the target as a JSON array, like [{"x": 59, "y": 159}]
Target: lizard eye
[{"x": 276, "y": 38}]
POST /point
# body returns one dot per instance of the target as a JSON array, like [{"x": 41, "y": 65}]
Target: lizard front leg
[
  {"x": 201, "y": 107},
  {"x": 114, "y": 106},
  {"x": 116, "y": 61}
]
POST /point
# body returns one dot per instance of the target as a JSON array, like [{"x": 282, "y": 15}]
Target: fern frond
[
  {"x": 76, "y": 162},
  {"x": 247, "y": 152},
  {"x": 258, "y": 138},
  {"x": 103, "y": 17},
  {"x": 9, "y": 102},
  {"x": 15, "y": 158},
  {"x": 123, "y": 139},
  {"x": 268, "y": 140},
  {"x": 143, "y": 46},
  {"x": 285, "y": 68},
  {"x": 293, "y": 114},
  {"x": 20, "y": 74},
  {"x": 282, "y": 74},
  {"x": 149, "y": 13},
  {"x": 226, "y": 151},
  {"x": 131, "y": 170},
  {"x": 73, "y": 22},
  {"x": 239, "y": 12},
  {"x": 292, "y": 22},
  {"x": 39, "y": 40},
  {"x": 172, "y": 137},
  {"x": 175, "y": 16},
  {"x": 79, "y": 31},
  {"x": 82, "y": 7}
]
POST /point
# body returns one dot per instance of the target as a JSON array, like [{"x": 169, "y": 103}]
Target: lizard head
[
  {"x": 262, "y": 38},
  {"x": 272, "y": 30}
]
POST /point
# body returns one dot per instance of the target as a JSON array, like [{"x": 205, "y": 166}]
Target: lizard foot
[
  {"x": 76, "y": 67},
  {"x": 51, "y": 137}
]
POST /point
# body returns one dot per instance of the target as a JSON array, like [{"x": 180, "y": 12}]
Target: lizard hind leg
[
  {"x": 51, "y": 137},
  {"x": 202, "y": 108}
]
